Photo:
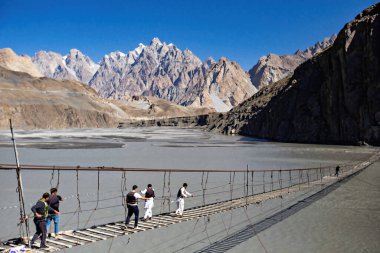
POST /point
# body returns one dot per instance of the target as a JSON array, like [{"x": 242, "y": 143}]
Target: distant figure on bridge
[
  {"x": 53, "y": 202},
  {"x": 41, "y": 210},
  {"x": 133, "y": 208},
  {"x": 337, "y": 171},
  {"x": 149, "y": 202},
  {"x": 181, "y": 195}
]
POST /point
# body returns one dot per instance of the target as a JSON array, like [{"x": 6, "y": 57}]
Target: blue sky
[{"x": 240, "y": 30}]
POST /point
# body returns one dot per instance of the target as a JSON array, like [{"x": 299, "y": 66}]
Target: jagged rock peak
[
  {"x": 273, "y": 67},
  {"x": 156, "y": 41},
  {"x": 73, "y": 66},
  {"x": 165, "y": 71}
]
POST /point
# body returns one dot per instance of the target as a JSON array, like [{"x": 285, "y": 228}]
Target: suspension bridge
[{"x": 238, "y": 189}]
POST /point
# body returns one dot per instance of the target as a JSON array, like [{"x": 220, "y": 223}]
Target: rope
[
  {"x": 123, "y": 188},
  {"x": 163, "y": 193},
  {"x": 203, "y": 190},
  {"x": 52, "y": 178},
  {"x": 281, "y": 190},
  {"x": 79, "y": 209},
  {"x": 230, "y": 183},
  {"x": 204, "y": 187},
  {"x": 271, "y": 179},
  {"x": 169, "y": 191},
  {"x": 246, "y": 191},
  {"x": 252, "y": 181},
  {"x": 97, "y": 201},
  {"x": 299, "y": 180},
  {"x": 264, "y": 181},
  {"x": 59, "y": 174},
  {"x": 232, "y": 187}
]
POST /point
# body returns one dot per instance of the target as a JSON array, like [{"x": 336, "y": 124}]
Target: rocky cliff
[
  {"x": 272, "y": 68},
  {"x": 333, "y": 97}
]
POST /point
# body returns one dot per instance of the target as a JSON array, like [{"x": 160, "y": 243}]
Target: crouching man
[{"x": 41, "y": 210}]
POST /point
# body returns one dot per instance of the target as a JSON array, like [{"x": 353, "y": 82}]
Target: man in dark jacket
[
  {"x": 41, "y": 210},
  {"x": 53, "y": 202},
  {"x": 133, "y": 208}
]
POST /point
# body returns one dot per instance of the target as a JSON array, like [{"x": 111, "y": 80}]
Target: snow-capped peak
[
  {"x": 134, "y": 54},
  {"x": 156, "y": 41}
]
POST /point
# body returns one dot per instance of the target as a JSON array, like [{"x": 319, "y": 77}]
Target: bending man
[
  {"x": 41, "y": 210},
  {"x": 181, "y": 195}
]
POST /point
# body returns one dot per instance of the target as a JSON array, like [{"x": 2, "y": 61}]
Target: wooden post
[{"x": 23, "y": 218}]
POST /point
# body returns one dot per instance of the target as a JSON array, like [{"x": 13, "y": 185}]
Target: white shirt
[
  {"x": 137, "y": 196},
  {"x": 185, "y": 193}
]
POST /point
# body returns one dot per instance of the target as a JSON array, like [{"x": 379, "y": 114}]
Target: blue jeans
[
  {"x": 56, "y": 218},
  {"x": 132, "y": 210}
]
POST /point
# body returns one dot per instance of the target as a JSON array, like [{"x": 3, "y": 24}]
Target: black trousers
[
  {"x": 132, "y": 210},
  {"x": 40, "y": 230}
]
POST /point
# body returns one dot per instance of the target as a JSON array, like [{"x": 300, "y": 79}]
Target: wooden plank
[
  {"x": 48, "y": 249},
  {"x": 166, "y": 222},
  {"x": 140, "y": 229},
  {"x": 100, "y": 232},
  {"x": 131, "y": 228},
  {"x": 159, "y": 224},
  {"x": 146, "y": 226},
  {"x": 90, "y": 235},
  {"x": 79, "y": 237},
  {"x": 69, "y": 240},
  {"x": 115, "y": 226},
  {"x": 59, "y": 243},
  {"x": 112, "y": 230}
]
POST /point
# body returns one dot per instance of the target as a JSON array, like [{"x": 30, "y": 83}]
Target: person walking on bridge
[
  {"x": 149, "y": 203},
  {"x": 41, "y": 210},
  {"x": 53, "y": 202},
  {"x": 181, "y": 195},
  {"x": 337, "y": 171},
  {"x": 133, "y": 208}
]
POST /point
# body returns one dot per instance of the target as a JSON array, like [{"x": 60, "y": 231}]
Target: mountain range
[
  {"x": 272, "y": 68},
  {"x": 162, "y": 70}
]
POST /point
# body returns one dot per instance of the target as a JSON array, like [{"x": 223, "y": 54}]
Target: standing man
[
  {"x": 133, "y": 208},
  {"x": 181, "y": 195},
  {"x": 149, "y": 204},
  {"x": 53, "y": 202},
  {"x": 41, "y": 210},
  {"x": 337, "y": 170}
]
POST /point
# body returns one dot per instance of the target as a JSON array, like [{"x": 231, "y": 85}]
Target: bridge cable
[{"x": 97, "y": 200}]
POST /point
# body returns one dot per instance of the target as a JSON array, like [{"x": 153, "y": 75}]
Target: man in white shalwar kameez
[
  {"x": 181, "y": 195},
  {"x": 149, "y": 202}
]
